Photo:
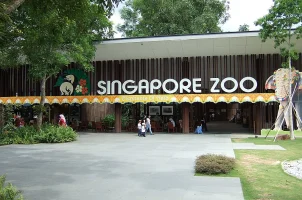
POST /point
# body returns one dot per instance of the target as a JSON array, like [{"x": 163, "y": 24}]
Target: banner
[{"x": 158, "y": 98}]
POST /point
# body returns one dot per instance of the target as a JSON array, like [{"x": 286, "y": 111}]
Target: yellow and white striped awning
[{"x": 159, "y": 98}]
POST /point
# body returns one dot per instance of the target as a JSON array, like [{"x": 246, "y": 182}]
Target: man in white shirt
[{"x": 148, "y": 125}]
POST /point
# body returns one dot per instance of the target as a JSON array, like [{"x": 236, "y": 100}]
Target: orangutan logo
[{"x": 73, "y": 82}]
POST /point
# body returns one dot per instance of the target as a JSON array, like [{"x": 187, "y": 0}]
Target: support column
[
  {"x": 251, "y": 117},
  {"x": 185, "y": 117},
  {"x": 259, "y": 118},
  {"x": 118, "y": 118}
]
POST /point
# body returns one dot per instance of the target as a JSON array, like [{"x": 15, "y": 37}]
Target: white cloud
[{"x": 241, "y": 11}]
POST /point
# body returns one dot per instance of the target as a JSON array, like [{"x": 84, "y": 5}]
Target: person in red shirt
[
  {"x": 62, "y": 120},
  {"x": 17, "y": 121},
  {"x": 22, "y": 123}
]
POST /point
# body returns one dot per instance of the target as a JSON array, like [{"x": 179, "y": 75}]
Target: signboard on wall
[
  {"x": 183, "y": 86},
  {"x": 73, "y": 82}
]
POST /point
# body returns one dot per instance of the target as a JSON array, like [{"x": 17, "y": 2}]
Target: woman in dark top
[{"x": 204, "y": 125}]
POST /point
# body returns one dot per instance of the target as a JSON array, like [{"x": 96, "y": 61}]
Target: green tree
[
  {"x": 9, "y": 6},
  {"x": 170, "y": 17},
  {"x": 279, "y": 24},
  {"x": 48, "y": 35},
  {"x": 244, "y": 28}
]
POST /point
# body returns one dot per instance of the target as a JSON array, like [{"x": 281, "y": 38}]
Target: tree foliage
[
  {"x": 244, "y": 28},
  {"x": 10, "y": 5},
  {"x": 171, "y": 17},
  {"x": 283, "y": 24},
  {"x": 48, "y": 35}
]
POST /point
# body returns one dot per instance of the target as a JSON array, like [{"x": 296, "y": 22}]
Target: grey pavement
[{"x": 119, "y": 167}]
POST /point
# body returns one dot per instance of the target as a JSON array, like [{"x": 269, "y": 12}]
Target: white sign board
[{"x": 185, "y": 85}]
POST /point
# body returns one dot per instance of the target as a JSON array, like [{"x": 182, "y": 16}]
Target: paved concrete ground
[{"x": 119, "y": 166}]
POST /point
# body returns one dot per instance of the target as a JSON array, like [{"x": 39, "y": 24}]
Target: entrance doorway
[
  {"x": 223, "y": 117},
  {"x": 160, "y": 115}
]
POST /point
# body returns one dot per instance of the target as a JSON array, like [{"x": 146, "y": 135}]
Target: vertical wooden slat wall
[{"x": 16, "y": 81}]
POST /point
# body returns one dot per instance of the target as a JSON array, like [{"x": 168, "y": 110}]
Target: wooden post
[
  {"x": 118, "y": 118},
  {"x": 259, "y": 118},
  {"x": 185, "y": 117}
]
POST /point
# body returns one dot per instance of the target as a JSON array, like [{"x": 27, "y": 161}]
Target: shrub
[
  {"x": 8, "y": 191},
  {"x": 29, "y": 135},
  {"x": 214, "y": 164},
  {"x": 56, "y": 134},
  {"x": 9, "y": 127},
  {"x": 109, "y": 119},
  {"x": 24, "y": 135}
]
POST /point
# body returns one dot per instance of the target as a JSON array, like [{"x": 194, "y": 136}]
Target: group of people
[
  {"x": 19, "y": 121},
  {"x": 144, "y": 126}
]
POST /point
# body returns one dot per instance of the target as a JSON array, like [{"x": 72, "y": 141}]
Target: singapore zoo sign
[{"x": 131, "y": 87}]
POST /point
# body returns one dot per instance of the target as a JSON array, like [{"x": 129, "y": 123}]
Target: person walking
[
  {"x": 139, "y": 128},
  {"x": 148, "y": 125}
]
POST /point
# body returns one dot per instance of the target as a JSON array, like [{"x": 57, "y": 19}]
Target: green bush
[
  {"x": 214, "y": 164},
  {"x": 29, "y": 135},
  {"x": 9, "y": 127},
  {"x": 109, "y": 119},
  {"x": 24, "y": 135},
  {"x": 8, "y": 191},
  {"x": 56, "y": 134}
]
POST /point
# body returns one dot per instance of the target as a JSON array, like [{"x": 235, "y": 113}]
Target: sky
[{"x": 241, "y": 11}]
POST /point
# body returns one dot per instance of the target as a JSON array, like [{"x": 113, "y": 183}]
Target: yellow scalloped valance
[{"x": 165, "y": 98}]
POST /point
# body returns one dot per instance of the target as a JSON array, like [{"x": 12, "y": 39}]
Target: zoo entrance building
[{"x": 213, "y": 76}]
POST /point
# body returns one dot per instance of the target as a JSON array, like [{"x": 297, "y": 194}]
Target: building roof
[{"x": 216, "y": 44}]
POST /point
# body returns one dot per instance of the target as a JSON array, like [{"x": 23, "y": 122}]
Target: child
[
  {"x": 199, "y": 129},
  {"x": 143, "y": 132},
  {"x": 139, "y": 127}
]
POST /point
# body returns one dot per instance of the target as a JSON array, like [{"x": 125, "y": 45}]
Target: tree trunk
[
  {"x": 13, "y": 5},
  {"x": 42, "y": 102}
]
